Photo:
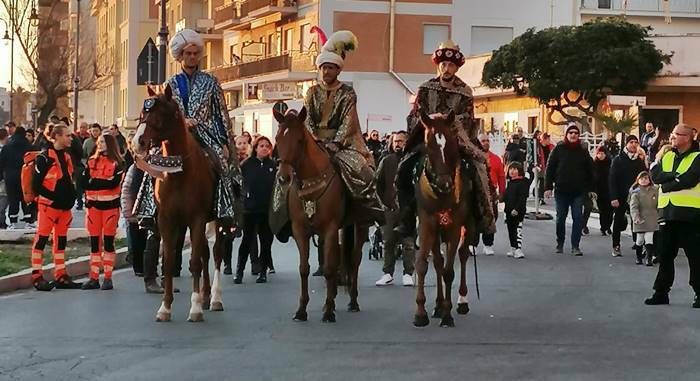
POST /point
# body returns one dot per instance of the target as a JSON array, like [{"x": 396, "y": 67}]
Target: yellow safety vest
[{"x": 689, "y": 198}]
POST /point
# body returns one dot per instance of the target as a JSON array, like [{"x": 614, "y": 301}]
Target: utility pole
[
  {"x": 12, "y": 14},
  {"x": 162, "y": 44},
  {"x": 76, "y": 77}
]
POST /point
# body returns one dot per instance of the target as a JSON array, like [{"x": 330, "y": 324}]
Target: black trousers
[
  {"x": 605, "y": 211},
  {"x": 255, "y": 225},
  {"x": 151, "y": 254},
  {"x": 136, "y": 240},
  {"x": 515, "y": 232},
  {"x": 488, "y": 239},
  {"x": 676, "y": 235},
  {"x": 14, "y": 201},
  {"x": 619, "y": 222}
]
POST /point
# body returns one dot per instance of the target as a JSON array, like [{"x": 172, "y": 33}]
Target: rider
[
  {"x": 443, "y": 94},
  {"x": 201, "y": 100},
  {"x": 332, "y": 118}
]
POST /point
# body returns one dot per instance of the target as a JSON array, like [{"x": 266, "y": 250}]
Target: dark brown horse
[
  {"x": 317, "y": 205},
  {"x": 443, "y": 209},
  {"x": 185, "y": 200}
]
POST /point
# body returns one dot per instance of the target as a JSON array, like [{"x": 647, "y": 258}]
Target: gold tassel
[{"x": 667, "y": 11}]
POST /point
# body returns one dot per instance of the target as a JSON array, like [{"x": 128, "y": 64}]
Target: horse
[
  {"x": 317, "y": 204},
  {"x": 443, "y": 204},
  {"x": 185, "y": 200}
]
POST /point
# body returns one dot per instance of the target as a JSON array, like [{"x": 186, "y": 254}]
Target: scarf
[{"x": 632, "y": 156}]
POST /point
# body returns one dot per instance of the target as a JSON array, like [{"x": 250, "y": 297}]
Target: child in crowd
[
  {"x": 515, "y": 198},
  {"x": 643, "y": 208}
]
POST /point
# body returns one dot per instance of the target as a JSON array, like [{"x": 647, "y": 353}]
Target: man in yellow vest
[{"x": 678, "y": 175}]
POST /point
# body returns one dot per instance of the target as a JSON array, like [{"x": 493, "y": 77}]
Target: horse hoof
[
  {"x": 328, "y": 317},
  {"x": 436, "y": 313},
  {"x": 217, "y": 306},
  {"x": 353, "y": 307},
  {"x": 462, "y": 308},
  {"x": 162, "y": 316},
  {"x": 196, "y": 317},
  {"x": 206, "y": 305},
  {"x": 301, "y": 316},
  {"x": 421, "y": 321},
  {"x": 447, "y": 321}
]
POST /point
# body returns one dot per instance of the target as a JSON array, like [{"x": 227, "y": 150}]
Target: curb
[
  {"x": 73, "y": 233},
  {"x": 76, "y": 268}
]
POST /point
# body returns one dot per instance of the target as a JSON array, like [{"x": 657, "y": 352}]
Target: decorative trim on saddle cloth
[
  {"x": 165, "y": 164},
  {"x": 426, "y": 186},
  {"x": 310, "y": 190}
]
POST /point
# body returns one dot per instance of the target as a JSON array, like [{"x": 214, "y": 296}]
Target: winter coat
[
  {"x": 515, "y": 198},
  {"x": 130, "y": 188},
  {"x": 623, "y": 173},
  {"x": 514, "y": 152},
  {"x": 643, "y": 206},
  {"x": 570, "y": 169},
  {"x": 601, "y": 178},
  {"x": 12, "y": 158},
  {"x": 258, "y": 180}
]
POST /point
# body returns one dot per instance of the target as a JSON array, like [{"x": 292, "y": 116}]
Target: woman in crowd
[
  {"x": 258, "y": 180},
  {"x": 601, "y": 172},
  {"x": 102, "y": 183}
]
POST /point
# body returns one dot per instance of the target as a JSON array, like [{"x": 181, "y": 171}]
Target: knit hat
[
  {"x": 629, "y": 138},
  {"x": 333, "y": 50},
  {"x": 572, "y": 126},
  {"x": 448, "y": 51}
]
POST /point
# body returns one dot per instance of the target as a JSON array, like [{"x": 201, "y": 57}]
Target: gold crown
[{"x": 449, "y": 44}]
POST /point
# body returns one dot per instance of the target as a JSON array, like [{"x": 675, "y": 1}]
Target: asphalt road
[{"x": 548, "y": 317}]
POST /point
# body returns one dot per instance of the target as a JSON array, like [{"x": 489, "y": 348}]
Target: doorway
[{"x": 663, "y": 118}]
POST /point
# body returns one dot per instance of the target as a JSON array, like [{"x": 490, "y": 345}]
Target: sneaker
[
  {"x": 488, "y": 250},
  {"x": 585, "y": 231},
  {"x": 518, "y": 254},
  {"x": 576, "y": 252},
  {"x": 92, "y": 284},
  {"x": 12, "y": 227},
  {"x": 42, "y": 285},
  {"x": 696, "y": 302},
  {"x": 385, "y": 280},
  {"x": 657, "y": 299},
  {"x": 227, "y": 270},
  {"x": 107, "y": 284},
  {"x": 603, "y": 232},
  {"x": 406, "y": 280},
  {"x": 65, "y": 282},
  {"x": 30, "y": 225},
  {"x": 616, "y": 251},
  {"x": 510, "y": 252},
  {"x": 271, "y": 270}
]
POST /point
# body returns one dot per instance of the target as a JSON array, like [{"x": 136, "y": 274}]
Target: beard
[{"x": 447, "y": 77}]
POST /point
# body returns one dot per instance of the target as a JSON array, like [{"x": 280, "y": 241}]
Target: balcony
[
  {"x": 687, "y": 8},
  {"x": 295, "y": 62},
  {"x": 240, "y": 14}
]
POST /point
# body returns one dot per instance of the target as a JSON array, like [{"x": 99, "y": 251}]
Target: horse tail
[{"x": 347, "y": 248}]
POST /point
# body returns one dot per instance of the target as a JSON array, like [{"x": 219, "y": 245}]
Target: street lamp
[{"x": 34, "y": 17}]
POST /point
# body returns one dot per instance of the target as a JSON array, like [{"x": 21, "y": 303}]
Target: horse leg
[
  {"x": 359, "y": 240},
  {"x": 217, "y": 303},
  {"x": 462, "y": 302},
  {"x": 165, "y": 311},
  {"x": 331, "y": 251},
  {"x": 448, "y": 274},
  {"x": 302, "y": 240},
  {"x": 206, "y": 281},
  {"x": 438, "y": 264},
  {"x": 427, "y": 240},
  {"x": 199, "y": 245}
]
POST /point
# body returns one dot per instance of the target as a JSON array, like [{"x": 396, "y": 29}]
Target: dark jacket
[
  {"x": 601, "y": 178},
  {"x": 386, "y": 174},
  {"x": 376, "y": 148},
  {"x": 12, "y": 158},
  {"x": 258, "y": 180},
  {"x": 671, "y": 182},
  {"x": 63, "y": 196},
  {"x": 515, "y": 152},
  {"x": 515, "y": 198},
  {"x": 570, "y": 168},
  {"x": 623, "y": 173}
]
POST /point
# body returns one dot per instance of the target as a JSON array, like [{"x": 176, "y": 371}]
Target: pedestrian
[
  {"x": 121, "y": 140},
  {"x": 623, "y": 173},
  {"x": 515, "y": 199},
  {"x": 11, "y": 161},
  {"x": 89, "y": 143},
  {"x": 497, "y": 179},
  {"x": 52, "y": 184},
  {"x": 4, "y": 137},
  {"x": 643, "y": 209},
  {"x": 77, "y": 155},
  {"x": 678, "y": 175},
  {"x": 386, "y": 189},
  {"x": 258, "y": 180},
  {"x": 135, "y": 236},
  {"x": 242, "y": 147},
  {"x": 83, "y": 132},
  {"x": 569, "y": 177},
  {"x": 601, "y": 187},
  {"x": 374, "y": 145},
  {"x": 30, "y": 136},
  {"x": 101, "y": 180},
  {"x": 648, "y": 137},
  {"x": 514, "y": 151},
  {"x": 41, "y": 141}
]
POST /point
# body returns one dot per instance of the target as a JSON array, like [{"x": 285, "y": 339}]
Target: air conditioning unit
[{"x": 205, "y": 24}]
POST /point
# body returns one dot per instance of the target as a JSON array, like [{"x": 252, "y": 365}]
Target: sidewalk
[
  {"x": 549, "y": 208},
  {"x": 77, "y": 229}
]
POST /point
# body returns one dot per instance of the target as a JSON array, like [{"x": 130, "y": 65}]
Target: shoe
[
  {"x": 510, "y": 252},
  {"x": 616, "y": 251},
  {"x": 238, "y": 279},
  {"x": 585, "y": 231},
  {"x": 30, "y": 225},
  {"x": 92, "y": 284},
  {"x": 40, "y": 284},
  {"x": 262, "y": 278},
  {"x": 696, "y": 302},
  {"x": 657, "y": 299},
  {"x": 271, "y": 270},
  {"x": 406, "y": 280},
  {"x": 66, "y": 283},
  {"x": 576, "y": 252},
  {"x": 318, "y": 272},
  {"x": 227, "y": 270},
  {"x": 518, "y": 254},
  {"x": 488, "y": 250},
  {"x": 138, "y": 274},
  {"x": 560, "y": 248},
  {"x": 153, "y": 287},
  {"x": 385, "y": 280},
  {"x": 603, "y": 232},
  {"x": 12, "y": 226},
  {"x": 107, "y": 285}
]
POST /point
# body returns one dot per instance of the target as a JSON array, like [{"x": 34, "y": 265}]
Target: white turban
[
  {"x": 329, "y": 57},
  {"x": 182, "y": 40},
  {"x": 333, "y": 51}
]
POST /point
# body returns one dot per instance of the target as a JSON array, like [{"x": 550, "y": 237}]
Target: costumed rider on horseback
[
  {"x": 441, "y": 95},
  {"x": 201, "y": 100},
  {"x": 332, "y": 119}
]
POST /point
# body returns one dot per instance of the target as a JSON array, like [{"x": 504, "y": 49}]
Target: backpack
[{"x": 28, "y": 194}]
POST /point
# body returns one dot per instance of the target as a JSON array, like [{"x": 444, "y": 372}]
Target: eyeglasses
[{"x": 573, "y": 133}]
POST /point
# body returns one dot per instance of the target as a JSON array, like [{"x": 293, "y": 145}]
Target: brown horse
[
  {"x": 443, "y": 209},
  {"x": 185, "y": 200},
  {"x": 317, "y": 205}
]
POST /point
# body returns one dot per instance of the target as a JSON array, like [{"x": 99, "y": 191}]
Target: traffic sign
[{"x": 147, "y": 64}]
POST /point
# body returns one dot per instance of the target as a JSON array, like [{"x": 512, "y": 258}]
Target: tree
[{"x": 571, "y": 69}]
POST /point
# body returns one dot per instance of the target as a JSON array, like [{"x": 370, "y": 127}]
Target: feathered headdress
[{"x": 334, "y": 50}]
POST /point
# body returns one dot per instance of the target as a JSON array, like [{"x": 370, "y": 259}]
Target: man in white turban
[{"x": 202, "y": 102}]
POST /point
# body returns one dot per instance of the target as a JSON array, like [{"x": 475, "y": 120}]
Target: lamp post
[
  {"x": 162, "y": 43},
  {"x": 76, "y": 76}
]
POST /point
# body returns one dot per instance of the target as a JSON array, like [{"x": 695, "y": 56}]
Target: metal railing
[
  {"x": 240, "y": 9},
  {"x": 296, "y": 62}
]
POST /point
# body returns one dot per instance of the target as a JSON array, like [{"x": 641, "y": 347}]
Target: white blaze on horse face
[
  {"x": 136, "y": 140},
  {"x": 440, "y": 139}
]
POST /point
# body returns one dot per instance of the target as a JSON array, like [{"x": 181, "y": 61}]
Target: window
[
  {"x": 488, "y": 38},
  {"x": 604, "y": 4},
  {"x": 433, "y": 35},
  {"x": 271, "y": 44},
  {"x": 305, "y": 37},
  {"x": 289, "y": 40}
]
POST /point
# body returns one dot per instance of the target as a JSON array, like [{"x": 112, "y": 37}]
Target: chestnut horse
[
  {"x": 185, "y": 200},
  {"x": 317, "y": 204},
  {"x": 443, "y": 209}
]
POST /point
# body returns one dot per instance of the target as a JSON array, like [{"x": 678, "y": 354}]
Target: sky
[{"x": 5, "y": 60}]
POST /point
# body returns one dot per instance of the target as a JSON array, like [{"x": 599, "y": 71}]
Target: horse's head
[
  {"x": 291, "y": 136},
  {"x": 159, "y": 117},
  {"x": 442, "y": 151}
]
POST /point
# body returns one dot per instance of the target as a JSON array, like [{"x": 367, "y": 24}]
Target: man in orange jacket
[{"x": 53, "y": 184}]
